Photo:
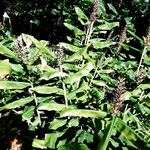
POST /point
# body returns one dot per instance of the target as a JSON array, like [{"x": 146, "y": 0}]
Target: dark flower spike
[
  {"x": 119, "y": 95},
  {"x": 1, "y": 26},
  {"x": 122, "y": 38},
  {"x": 19, "y": 45},
  {"x": 141, "y": 76},
  {"x": 147, "y": 38},
  {"x": 95, "y": 10},
  {"x": 60, "y": 54},
  {"x": 92, "y": 21}
]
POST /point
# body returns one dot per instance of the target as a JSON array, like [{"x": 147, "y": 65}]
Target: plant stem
[
  {"x": 93, "y": 76},
  {"x": 100, "y": 62},
  {"x": 64, "y": 88},
  {"x": 38, "y": 113},
  {"x": 144, "y": 51},
  {"x": 89, "y": 33}
]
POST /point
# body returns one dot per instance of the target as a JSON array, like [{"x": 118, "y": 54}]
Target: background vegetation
[{"x": 75, "y": 75}]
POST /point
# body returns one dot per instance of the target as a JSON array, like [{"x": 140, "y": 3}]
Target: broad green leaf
[
  {"x": 143, "y": 109},
  {"x": 74, "y": 122},
  {"x": 42, "y": 48},
  {"x": 102, "y": 9},
  {"x": 107, "y": 135},
  {"x": 37, "y": 143},
  {"x": 127, "y": 95},
  {"x": 81, "y": 16},
  {"x": 107, "y": 61},
  {"x": 82, "y": 113},
  {"x": 130, "y": 134},
  {"x": 108, "y": 25},
  {"x": 5, "y": 67},
  {"x": 46, "y": 68},
  {"x": 32, "y": 56},
  {"x": 144, "y": 86},
  {"x": 9, "y": 85},
  {"x": 51, "y": 75},
  {"x": 106, "y": 71},
  {"x": 135, "y": 36},
  {"x": 146, "y": 60},
  {"x": 131, "y": 75},
  {"x": 99, "y": 83},
  {"x": 111, "y": 7},
  {"x": 80, "y": 13},
  {"x": 77, "y": 55},
  {"x": 89, "y": 59},
  {"x": 71, "y": 47},
  {"x": 81, "y": 73},
  {"x": 69, "y": 66},
  {"x": 85, "y": 136},
  {"x": 82, "y": 88},
  {"x": 34, "y": 124},
  {"x": 17, "y": 68},
  {"x": 128, "y": 47},
  {"x": 8, "y": 53},
  {"x": 44, "y": 42},
  {"x": 115, "y": 143},
  {"x": 17, "y": 103},
  {"x": 147, "y": 101},
  {"x": 127, "y": 116},
  {"x": 51, "y": 138},
  {"x": 108, "y": 79},
  {"x": 136, "y": 92},
  {"x": 97, "y": 93},
  {"x": 61, "y": 142},
  {"x": 57, "y": 123},
  {"x": 47, "y": 90},
  {"x": 75, "y": 29},
  {"x": 95, "y": 40},
  {"x": 28, "y": 112},
  {"x": 100, "y": 20},
  {"x": 74, "y": 146},
  {"x": 52, "y": 106},
  {"x": 101, "y": 44}
]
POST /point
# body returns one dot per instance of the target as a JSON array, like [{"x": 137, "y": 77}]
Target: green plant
[{"x": 89, "y": 93}]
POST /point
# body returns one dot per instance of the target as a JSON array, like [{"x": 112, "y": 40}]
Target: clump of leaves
[{"x": 82, "y": 94}]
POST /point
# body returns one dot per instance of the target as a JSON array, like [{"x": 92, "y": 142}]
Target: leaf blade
[
  {"x": 16, "y": 103},
  {"x": 10, "y": 85},
  {"x": 82, "y": 113}
]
